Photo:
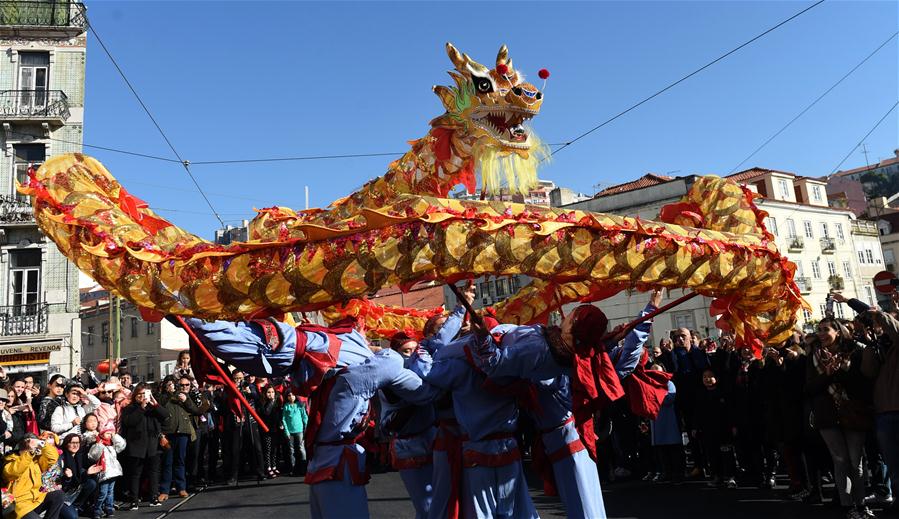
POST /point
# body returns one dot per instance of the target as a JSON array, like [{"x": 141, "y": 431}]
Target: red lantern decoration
[
  {"x": 502, "y": 69},
  {"x": 103, "y": 367},
  {"x": 543, "y": 73}
]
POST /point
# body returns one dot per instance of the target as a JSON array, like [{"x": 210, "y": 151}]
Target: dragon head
[{"x": 490, "y": 105}]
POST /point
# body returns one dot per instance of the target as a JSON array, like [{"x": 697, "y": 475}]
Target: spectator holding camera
[
  {"x": 78, "y": 478},
  {"x": 141, "y": 427},
  {"x": 67, "y": 417},
  {"x": 22, "y": 473},
  {"x": 179, "y": 430}
]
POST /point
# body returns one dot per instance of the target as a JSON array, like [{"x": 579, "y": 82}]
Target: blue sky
[{"x": 238, "y": 80}]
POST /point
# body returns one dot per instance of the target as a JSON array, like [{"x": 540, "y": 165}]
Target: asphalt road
[{"x": 287, "y": 497}]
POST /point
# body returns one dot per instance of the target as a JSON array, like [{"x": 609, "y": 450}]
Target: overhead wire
[
  {"x": 688, "y": 76},
  {"x": 184, "y": 163},
  {"x": 813, "y": 103},
  {"x": 863, "y": 138}
]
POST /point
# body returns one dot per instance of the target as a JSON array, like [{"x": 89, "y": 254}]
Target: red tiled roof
[
  {"x": 647, "y": 180},
  {"x": 426, "y": 298},
  {"x": 863, "y": 169},
  {"x": 751, "y": 173}
]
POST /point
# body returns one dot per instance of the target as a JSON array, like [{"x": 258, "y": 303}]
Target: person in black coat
[
  {"x": 141, "y": 426},
  {"x": 79, "y": 475},
  {"x": 715, "y": 424}
]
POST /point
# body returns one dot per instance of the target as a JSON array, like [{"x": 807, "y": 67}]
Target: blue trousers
[
  {"x": 343, "y": 499},
  {"x": 173, "y": 464},
  {"x": 496, "y": 493},
  {"x": 577, "y": 480},
  {"x": 418, "y": 484},
  {"x": 105, "y": 501}
]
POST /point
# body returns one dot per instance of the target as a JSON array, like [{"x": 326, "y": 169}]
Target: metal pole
[
  {"x": 109, "y": 331},
  {"x": 118, "y": 330}
]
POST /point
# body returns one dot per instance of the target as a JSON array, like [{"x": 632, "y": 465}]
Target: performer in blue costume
[
  {"x": 573, "y": 471},
  {"x": 411, "y": 429}
]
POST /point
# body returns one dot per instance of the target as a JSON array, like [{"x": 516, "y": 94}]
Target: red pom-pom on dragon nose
[
  {"x": 543, "y": 73},
  {"x": 502, "y": 69}
]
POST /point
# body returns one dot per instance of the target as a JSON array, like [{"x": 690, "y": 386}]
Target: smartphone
[{"x": 828, "y": 306}]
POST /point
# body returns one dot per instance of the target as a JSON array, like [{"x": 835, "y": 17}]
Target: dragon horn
[
  {"x": 502, "y": 57},
  {"x": 475, "y": 65},
  {"x": 456, "y": 57}
]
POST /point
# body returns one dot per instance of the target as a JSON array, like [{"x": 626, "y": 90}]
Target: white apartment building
[
  {"x": 41, "y": 114},
  {"x": 832, "y": 250}
]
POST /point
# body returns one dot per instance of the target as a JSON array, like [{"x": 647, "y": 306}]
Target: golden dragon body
[{"x": 399, "y": 230}]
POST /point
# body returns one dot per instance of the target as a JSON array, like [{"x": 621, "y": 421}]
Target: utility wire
[
  {"x": 105, "y": 148},
  {"x": 184, "y": 163},
  {"x": 688, "y": 76},
  {"x": 863, "y": 139},
  {"x": 807, "y": 108}
]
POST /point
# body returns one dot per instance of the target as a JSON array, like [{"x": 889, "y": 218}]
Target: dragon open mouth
[{"x": 506, "y": 125}]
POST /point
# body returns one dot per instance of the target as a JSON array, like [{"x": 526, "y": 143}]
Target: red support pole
[
  {"x": 633, "y": 324},
  {"x": 228, "y": 382}
]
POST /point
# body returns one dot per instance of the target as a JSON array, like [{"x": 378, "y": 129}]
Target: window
[
  {"x": 839, "y": 228},
  {"x": 771, "y": 224},
  {"x": 869, "y": 295},
  {"x": 784, "y": 187},
  {"x": 808, "y": 229},
  {"x": 682, "y": 320},
  {"x": 831, "y": 268},
  {"x": 151, "y": 328},
  {"x": 839, "y": 308},
  {"x": 33, "y": 81},
  {"x": 807, "y": 314},
  {"x": 791, "y": 228},
  {"x": 104, "y": 333},
  {"x": 816, "y": 193},
  {"x": 502, "y": 287},
  {"x": 869, "y": 254},
  {"x": 26, "y": 155},
  {"x": 823, "y": 308},
  {"x": 90, "y": 335},
  {"x": 799, "y": 269},
  {"x": 816, "y": 269},
  {"x": 25, "y": 279},
  {"x": 482, "y": 290},
  {"x": 889, "y": 258},
  {"x": 134, "y": 327},
  {"x": 847, "y": 269},
  {"x": 515, "y": 284},
  {"x": 824, "y": 232},
  {"x": 861, "y": 256}
]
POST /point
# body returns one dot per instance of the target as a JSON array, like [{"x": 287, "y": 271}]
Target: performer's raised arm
[
  {"x": 263, "y": 349},
  {"x": 627, "y": 356},
  {"x": 441, "y": 330}
]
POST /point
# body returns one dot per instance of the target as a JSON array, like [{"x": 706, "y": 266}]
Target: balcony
[
  {"x": 15, "y": 211},
  {"x": 828, "y": 245},
  {"x": 805, "y": 285},
  {"x": 34, "y": 18},
  {"x": 836, "y": 282},
  {"x": 795, "y": 244},
  {"x": 24, "y": 319},
  {"x": 34, "y": 105}
]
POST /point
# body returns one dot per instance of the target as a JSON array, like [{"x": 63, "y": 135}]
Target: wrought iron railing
[
  {"x": 14, "y": 210},
  {"x": 796, "y": 243},
  {"x": 48, "y": 13},
  {"x": 805, "y": 285},
  {"x": 828, "y": 245},
  {"x": 28, "y": 319},
  {"x": 34, "y": 104}
]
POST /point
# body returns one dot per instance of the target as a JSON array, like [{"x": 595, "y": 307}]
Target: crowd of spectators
[
  {"x": 66, "y": 445},
  {"x": 822, "y": 407}
]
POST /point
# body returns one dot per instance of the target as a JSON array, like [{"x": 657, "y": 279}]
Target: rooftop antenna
[{"x": 865, "y": 151}]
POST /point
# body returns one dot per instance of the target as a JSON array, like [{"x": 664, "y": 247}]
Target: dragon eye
[
  {"x": 516, "y": 91},
  {"x": 483, "y": 85},
  {"x": 539, "y": 95}
]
